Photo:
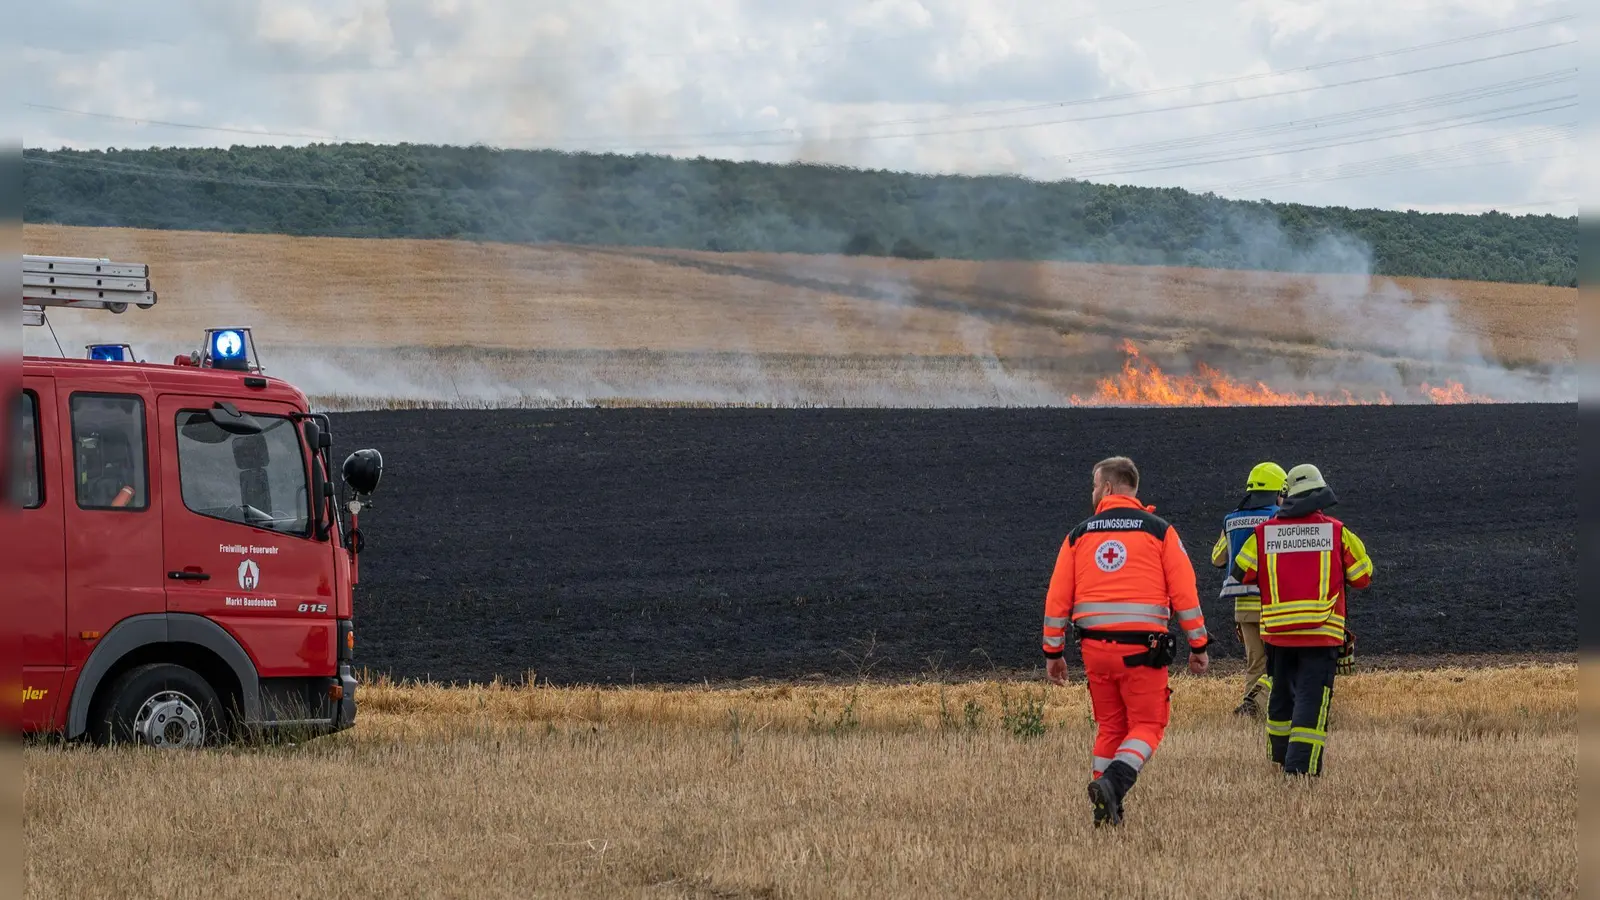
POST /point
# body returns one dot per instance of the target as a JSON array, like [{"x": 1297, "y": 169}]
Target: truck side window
[
  {"x": 27, "y": 490},
  {"x": 252, "y": 479},
  {"x": 108, "y": 448}
]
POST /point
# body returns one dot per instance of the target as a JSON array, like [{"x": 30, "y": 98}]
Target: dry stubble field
[
  {"x": 1447, "y": 783},
  {"x": 368, "y": 322}
]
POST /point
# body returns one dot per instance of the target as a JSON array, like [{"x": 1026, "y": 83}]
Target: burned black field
[{"x": 657, "y": 545}]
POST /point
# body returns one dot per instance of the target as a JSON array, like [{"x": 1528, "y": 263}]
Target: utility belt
[{"x": 1160, "y": 647}]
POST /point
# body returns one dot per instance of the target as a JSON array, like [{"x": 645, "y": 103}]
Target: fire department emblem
[
  {"x": 249, "y": 575},
  {"x": 1111, "y": 556}
]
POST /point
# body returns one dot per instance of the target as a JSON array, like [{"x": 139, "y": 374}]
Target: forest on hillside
[{"x": 532, "y": 196}]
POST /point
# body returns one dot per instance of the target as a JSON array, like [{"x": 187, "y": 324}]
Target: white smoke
[{"x": 1342, "y": 328}]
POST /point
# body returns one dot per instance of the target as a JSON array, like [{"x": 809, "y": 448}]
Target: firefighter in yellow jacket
[
  {"x": 1263, "y": 490},
  {"x": 1304, "y": 559}
]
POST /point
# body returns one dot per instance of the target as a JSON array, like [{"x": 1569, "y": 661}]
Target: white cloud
[{"x": 905, "y": 84}]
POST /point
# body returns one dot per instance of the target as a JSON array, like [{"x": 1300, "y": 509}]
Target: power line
[
  {"x": 166, "y": 124},
  {"x": 1448, "y": 98},
  {"x": 1088, "y": 101},
  {"x": 1406, "y": 161},
  {"x": 1368, "y": 136},
  {"x": 1407, "y": 169},
  {"x": 1311, "y": 144},
  {"x": 112, "y": 167},
  {"x": 632, "y": 141},
  {"x": 1542, "y": 134},
  {"x": 851, "y": 138},
  {"x": 1410, "y": 129},
  {"x": 1237, "y": 79}
]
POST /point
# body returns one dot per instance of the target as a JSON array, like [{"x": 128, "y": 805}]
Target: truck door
[
  {"x": 238, "y": 539},
  {"x": 113, "y": 532},
  {"x": 36, "y": 549}
]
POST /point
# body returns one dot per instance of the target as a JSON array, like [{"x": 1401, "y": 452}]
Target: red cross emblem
[{"x": 1111, "y": 556}]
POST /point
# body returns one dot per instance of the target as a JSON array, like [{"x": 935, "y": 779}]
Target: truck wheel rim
[{"x": 170, "y": 719}]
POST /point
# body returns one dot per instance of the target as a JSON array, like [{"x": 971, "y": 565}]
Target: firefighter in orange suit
[
  {"x": 1303, "y": 559},
  {"x": 1120, "y": 576}
]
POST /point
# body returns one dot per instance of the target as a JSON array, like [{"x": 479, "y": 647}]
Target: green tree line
[{"x": 534, "y": 196}]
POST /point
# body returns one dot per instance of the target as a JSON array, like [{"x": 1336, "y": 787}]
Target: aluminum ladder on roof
[{"x": 82, "y": 282}]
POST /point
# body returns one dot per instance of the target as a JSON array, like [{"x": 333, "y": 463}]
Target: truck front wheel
[{"x": 159, "y": 705}]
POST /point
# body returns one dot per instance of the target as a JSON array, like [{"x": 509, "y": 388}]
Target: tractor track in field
[{"x": 615, "y": 546}]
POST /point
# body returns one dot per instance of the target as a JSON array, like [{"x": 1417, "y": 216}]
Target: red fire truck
[{"x": 179, "y": 559}]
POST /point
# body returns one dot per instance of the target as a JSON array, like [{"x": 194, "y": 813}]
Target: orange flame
[
  {"x": 1142, "y": 382},
  {"x": 1452, "y": 392}
]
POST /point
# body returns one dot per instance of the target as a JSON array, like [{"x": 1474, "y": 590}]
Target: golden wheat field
[
  {"x": 481, "y": 323},
  {"x": 1445, "y": 783}
]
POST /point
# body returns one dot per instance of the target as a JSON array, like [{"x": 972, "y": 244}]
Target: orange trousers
[{"x": 1131, "y": 705}]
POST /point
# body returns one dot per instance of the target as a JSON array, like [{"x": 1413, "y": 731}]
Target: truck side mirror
[
  {"x": 322, "y": 490},
  {"x": 362, "y": 471}
]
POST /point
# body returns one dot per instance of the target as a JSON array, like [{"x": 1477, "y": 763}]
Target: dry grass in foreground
[{"x": 1447, "y": 783}]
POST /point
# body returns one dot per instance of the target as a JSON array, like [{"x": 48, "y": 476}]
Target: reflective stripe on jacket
[
  {"x": 1302, "y": 590},
  {"x": 1122, "y": 569},
  {"x": 1237, "y": 526}
]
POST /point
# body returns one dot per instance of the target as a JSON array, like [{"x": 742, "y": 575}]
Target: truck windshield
[{"x": 252, "y": 479}]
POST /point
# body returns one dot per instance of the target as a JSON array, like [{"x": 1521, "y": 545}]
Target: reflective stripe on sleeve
[
  {"x": 1055, "y": 621},
  {"x": 1188, "y": 615},
  {"x": 1055, "y": 642}
]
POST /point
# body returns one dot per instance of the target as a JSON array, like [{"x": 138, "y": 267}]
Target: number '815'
[{"x": 314, "y": 607}]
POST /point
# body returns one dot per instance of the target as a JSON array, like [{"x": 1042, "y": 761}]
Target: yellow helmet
[{"x": 1267, "y": 476}]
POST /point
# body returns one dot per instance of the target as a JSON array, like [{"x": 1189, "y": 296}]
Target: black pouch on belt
[{"x": 1160, "y": 649}]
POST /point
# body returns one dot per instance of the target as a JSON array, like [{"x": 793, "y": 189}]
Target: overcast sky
[{"x": 1369, "y": 103}]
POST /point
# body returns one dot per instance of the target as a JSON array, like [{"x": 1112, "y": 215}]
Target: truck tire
[{"x": 158, "y": 705}]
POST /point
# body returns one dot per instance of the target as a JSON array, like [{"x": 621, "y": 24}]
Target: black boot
[{"x": 1107, "y": 791}]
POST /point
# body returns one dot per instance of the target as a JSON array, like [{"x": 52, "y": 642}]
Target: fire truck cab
[{"x": 180, "y": 559}]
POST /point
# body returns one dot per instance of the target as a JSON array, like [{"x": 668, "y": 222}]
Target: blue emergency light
[
  {"x": 228, "y": 348},
  {"x": 227, "y": 345},
  {"x": 110, "y": 352}
]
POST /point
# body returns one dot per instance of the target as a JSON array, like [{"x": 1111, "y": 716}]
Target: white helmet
[{"x": 1303, "y": 479}]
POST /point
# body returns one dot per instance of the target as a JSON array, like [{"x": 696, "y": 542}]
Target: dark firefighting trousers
[
  {"x": 1297, "y": 709},
  {"x": 1132, "y": 705}
]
